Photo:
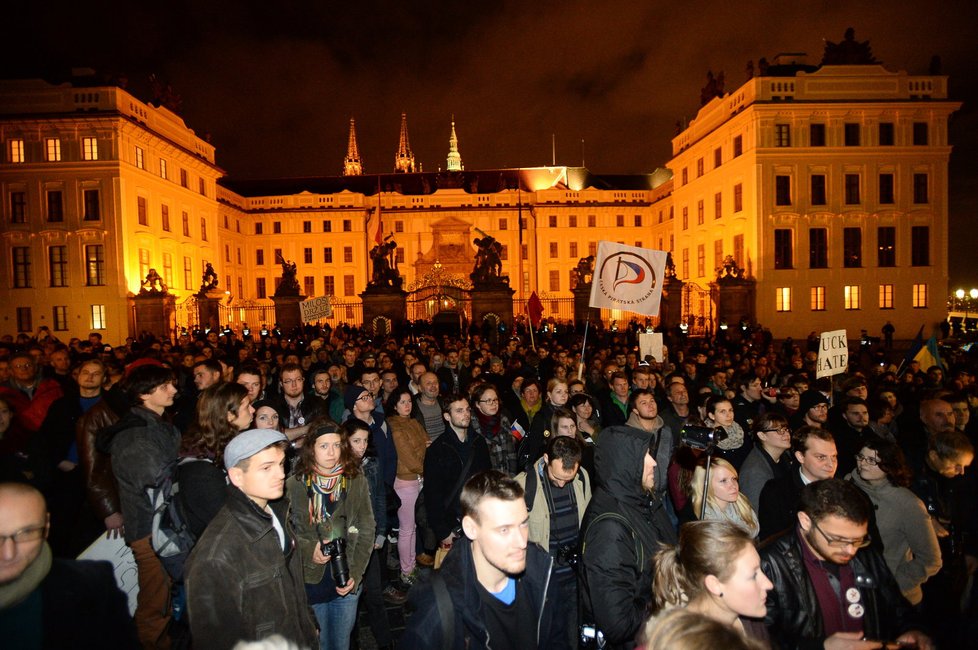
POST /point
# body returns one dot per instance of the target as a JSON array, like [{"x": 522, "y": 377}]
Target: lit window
[
  {"x": 851, "y": 296},
  {"x": 782, "y": 135},
  {"x": 52, "y": 149},
  {"x": 162, "y": 168},
  {"x": 818, "y": 298},
  {"x": 95, "y": 265},
  {"x": 16, "y": 151},
  {"x": 140, "y": 162},
  {"x": 782, "y": 300},
  {"x": 98, "y": 317},
  {"x": 60, "y": 313},
  {"x": 886, "y": 296},
  {"x": 919, "y": 296},
  {"x": 89, "y": 149}
]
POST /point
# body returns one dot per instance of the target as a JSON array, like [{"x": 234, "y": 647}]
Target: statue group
[
  {"x": 383, "y": 258},
  {"x": 289, "y": 286},
  {"x": 208, "y": 282},
  {"x": 488, "y": 260}
]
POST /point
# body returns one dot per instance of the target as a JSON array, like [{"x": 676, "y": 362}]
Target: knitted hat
[
  {"x": 351, "y": 395},
  {"x": 811, "y": 398}
]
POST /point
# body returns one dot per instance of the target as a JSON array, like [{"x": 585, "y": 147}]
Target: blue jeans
[{"x": 336, "y": 619}]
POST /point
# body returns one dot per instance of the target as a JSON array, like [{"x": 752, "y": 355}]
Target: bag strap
[
  {"x": 639, "y": 547},
  {"x": 446, "y": 611}
]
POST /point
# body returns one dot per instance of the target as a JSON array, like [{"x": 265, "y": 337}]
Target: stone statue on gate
[
  {"x": 584, "y": 270},
  {"x": 209, "y": 280},
  {"x": 488, "y": 260},
  {"x": 289, "y": 286},
  {"x": 153, "y": 284},
  {"x": 383, "y": 257}
]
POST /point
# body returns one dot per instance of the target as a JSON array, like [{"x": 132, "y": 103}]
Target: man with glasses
[
  {"x": 769, "y": 459},
  {"x": 29, "y": 394},
  {"x": 295, "y": 412},
  {"x": 48, "y": 602},
  {"x": 830, "y": 589},
  {"x": 815, "y": 453}
]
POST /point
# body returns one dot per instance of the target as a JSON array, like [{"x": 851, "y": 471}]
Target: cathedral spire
[
  {"x": 404, "y": 158},
  {"x": 352, "y": 165},
  {"x": 454, "y": 163}
]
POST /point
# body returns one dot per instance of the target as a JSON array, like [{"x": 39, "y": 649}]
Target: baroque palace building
[{"x": 827, "y": 186}]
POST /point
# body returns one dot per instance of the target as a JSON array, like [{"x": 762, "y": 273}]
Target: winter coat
[
  {"x": 103, "y": 493},
  {"x": 539, "y": 510},
  {"x": 353, "y": 519},
  {"x": 425, "y": 628},
  {"x": 793, "y": 616},
  {"x": 241, "y": 584},
  {"x": 757, "y": 470},
  {"x": 31, "y": 411},
  {"x": 616, "y": 560},
  {"x": 911, "y": 550},
  {"x": 411, "y": 442},
  {"x": 443, "y": 463},
  {"x": 142, "y": 444}
]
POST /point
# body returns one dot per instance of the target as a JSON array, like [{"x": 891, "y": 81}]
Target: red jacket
[{"x": 31, "y": 412}]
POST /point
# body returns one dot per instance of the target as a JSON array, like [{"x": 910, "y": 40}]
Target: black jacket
[
  {"x": 443, "y": 463},
  {"x": 617, "y": 567},
  {"x": 241, "y": 584},
  {"x": 81, "y": 607},
  {"x": 142, "y": 444},
  {"x": 779, "y": 504},
  {"x": 424, "y": 629},
  {"x": 793, "y": 616}
]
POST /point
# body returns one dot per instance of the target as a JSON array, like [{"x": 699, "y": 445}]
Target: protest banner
[{"x": 833, "y": 353}]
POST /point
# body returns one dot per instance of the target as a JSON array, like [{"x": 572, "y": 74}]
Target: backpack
[{"x": 171, "y": 537}]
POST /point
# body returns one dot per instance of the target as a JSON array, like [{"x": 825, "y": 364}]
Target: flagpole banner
[
  {"x": 833, "y": 353},
  {"x": 629, "y": 278}
]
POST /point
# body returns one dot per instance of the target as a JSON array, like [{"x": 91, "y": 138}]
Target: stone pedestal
[
  {"x": 209, "y": 309},
  {"x": 671, "y": 306},
  {"x": 735, "y": 300},
  {"x": 154, "y": 313},
  {"x": 384, "y": 309},
  {"x": 582, "y": 299},
  {"x": 287, "y": 313},
  {"x": 492, "y": 300}
]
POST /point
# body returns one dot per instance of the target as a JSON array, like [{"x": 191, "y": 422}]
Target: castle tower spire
[
  {"x": 404, "y": 158},
  {"x": 454, "y": 163},
  {"x": 352, "y": 165}
]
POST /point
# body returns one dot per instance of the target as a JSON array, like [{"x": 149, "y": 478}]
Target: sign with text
[
  {"x": 833, "y": 353},
  {"x": 315, "y": 309},
  {"x": 115, "y": 551},
  {"x": 650, "y": 345},
  {"x": 627, "y": 277}
]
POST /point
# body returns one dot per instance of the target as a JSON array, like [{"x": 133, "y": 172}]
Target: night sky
[{"x": 274, "y": 84}]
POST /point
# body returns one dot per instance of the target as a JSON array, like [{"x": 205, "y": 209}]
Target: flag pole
[{"x": 580, "y": 366}]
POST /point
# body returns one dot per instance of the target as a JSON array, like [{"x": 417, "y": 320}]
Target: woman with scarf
[
  {"x": 330, "y": 501},
  {"x": 494, "y": 424},
  {"x": 735, "y": 447}
]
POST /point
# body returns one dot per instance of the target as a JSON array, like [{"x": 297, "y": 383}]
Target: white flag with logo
[{"x": 627, "y": 277}]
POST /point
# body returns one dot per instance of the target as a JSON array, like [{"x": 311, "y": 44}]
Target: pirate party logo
[{"x": 626, "y": 278}]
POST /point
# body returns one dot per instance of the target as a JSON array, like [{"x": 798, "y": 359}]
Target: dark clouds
[{"x": 274, "y": 84}]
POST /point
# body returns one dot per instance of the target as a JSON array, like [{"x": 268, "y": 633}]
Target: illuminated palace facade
[{"x": 828, "y": 188}]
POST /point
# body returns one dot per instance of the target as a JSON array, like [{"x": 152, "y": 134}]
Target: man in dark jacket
[
  {"x": 50, "y": 602},
  {"x": 244, "y": 576},
  {"x": 826, "y": 590},
  {"x": 494, "y": 589},
  {"x": 142, "y": 444},
  {"x": 623, "y": 527},
  {"x": 451, "y": 460}
]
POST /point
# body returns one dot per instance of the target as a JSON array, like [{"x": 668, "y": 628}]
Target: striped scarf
[{"x": 324, "y": 490}]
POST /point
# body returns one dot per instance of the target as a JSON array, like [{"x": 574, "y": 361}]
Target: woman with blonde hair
[
  {"x": 715, "y": 571},
  {"x": 725, "y": 501},
  {"x": 682, "y": 629}
]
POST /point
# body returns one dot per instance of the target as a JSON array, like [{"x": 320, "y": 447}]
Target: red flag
[{"x": 534, "y": 309}]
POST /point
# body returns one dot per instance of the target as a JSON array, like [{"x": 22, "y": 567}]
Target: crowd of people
[{"x": 515, "y": 495}]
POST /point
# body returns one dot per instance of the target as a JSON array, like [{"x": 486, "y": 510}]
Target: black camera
[
  {"x": 567, "y": 555},
  {"x": 702, "y": 437},
  {"x": 339, "y": 565}
]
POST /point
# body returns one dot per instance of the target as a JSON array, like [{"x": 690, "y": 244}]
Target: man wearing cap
[
  {"x": 813, "y": 410},
  {"x": 244, "y": 576}
]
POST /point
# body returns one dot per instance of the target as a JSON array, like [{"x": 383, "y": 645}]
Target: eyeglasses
[
  {"x": 872, "y": 462},
  {"x": 24, "y": 536},
  {"x": 489, "y": 401},
  {"x": 841, "y": 542},
  {"x": 21, "y": 366},
  {"x": 784, "y": 431}
]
